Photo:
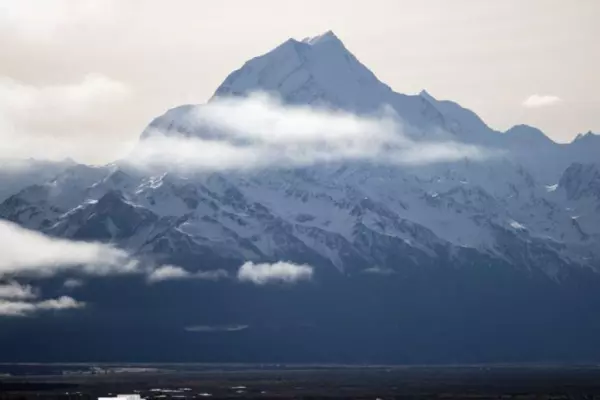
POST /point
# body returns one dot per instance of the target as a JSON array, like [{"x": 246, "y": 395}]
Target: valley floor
[{"x": 301, "y": 382}]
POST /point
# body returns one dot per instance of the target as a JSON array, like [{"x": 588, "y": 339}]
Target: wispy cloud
[
  {"x": 280, "y": 272},
  {"x": 536, "y": 101},
  {"x": 173, "y": 272},
  {"x": 259, "y": 132},
  {"x": 379, "y": 271},
  {"x": 23, "y": 308},
  {"x": 15, "y": 291},
  {"x": 216, "y": 328},
  {"x": 17, "y": 300},
  {"x": 72, "y": 283},
  {"x": 29, "y": 253}
]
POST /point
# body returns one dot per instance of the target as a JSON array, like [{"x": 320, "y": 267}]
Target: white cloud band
[
  {"x": 259, "y": 132},
  {"x": 279, "y": 272},
  {"x": 536, "y": 101},
  {"x": 29, "y": 253},
  {"x": 15, "y": 291},
  {"x": 173, "y": 272},
  {"x": 22, "y": 308}
]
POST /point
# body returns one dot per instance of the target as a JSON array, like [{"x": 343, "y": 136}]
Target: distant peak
[
  {"x": 584, "y": 136},
  {"x": 529, "y": 134},
  {"x": 523, "y": 128},
  {"x": 425, "y": 94},
  {"x": 326, "y": 37},
  {"x": 316, "y": 70}
]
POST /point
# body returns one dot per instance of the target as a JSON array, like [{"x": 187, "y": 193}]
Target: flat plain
[{"x": 169, "y": 381}]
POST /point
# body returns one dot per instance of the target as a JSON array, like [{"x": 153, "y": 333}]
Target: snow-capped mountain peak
[
  {"x": 315, "y": 70},
  {"x": 326, "y": 37},
  {"x": 426, "y": 95}
]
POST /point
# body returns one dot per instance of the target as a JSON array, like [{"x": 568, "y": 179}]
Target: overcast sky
[{"x": 99, "y": 71}]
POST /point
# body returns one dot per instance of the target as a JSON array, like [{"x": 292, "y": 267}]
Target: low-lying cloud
[
  {"x": 536, "y": 101},
  {"x": 25, "y": 252},
  {"x": 260, "y": 132},
  {"x": 173, "y": 272},
  {"x": 16, "y": 291},
  {"x": 72, "y": 283},
  {"x": 18, "y": 300},
  {"x": 12, "y": 308},
  {"x": 216, "y": 328},
  {"x": 379, "y": 271},
  {"x": 260, "y": 273},
  {"x": 279, "y": 272},
  {"x": 52, "y": 256},
  {"x": 232, "y": 133}
]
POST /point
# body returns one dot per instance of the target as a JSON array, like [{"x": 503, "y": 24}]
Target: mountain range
[{"x": 468, "y": 260}]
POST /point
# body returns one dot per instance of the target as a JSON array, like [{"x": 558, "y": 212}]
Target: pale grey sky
[{"x": 96, "y": 72}]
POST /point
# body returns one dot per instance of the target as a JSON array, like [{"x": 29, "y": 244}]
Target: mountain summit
[
  {"x": 328, "y": 36},
  {"x": 315, "y": 70},
  {"x": 321, "y": 71}
]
